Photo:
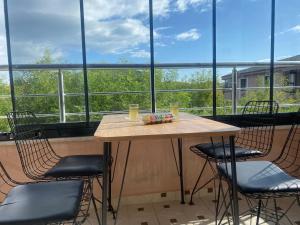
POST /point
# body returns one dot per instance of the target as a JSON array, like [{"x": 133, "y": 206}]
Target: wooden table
[{"x": 120, "y": 128}]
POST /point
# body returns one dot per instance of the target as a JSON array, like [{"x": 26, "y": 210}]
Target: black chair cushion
[
  {"x": 77, "y": 165},
  {"x": 218, "y": 151},
  {"x": 41, "y": 203},
  {"x": 261, "y": 177}
]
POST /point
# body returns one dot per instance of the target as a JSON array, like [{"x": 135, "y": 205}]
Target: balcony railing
[{"x": 234, "y": 89}]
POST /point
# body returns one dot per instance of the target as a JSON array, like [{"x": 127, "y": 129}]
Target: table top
[{"x": 119, "y": 127}]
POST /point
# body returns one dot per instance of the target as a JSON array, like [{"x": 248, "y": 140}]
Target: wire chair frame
[
  {"x": 36, "y": 153},
  {"x": 7, "y": 183},
  {"x": 289, "y": 158},
  {"x": 289, "y": 161},
  {"x": 258, "y": 128},
  {"x": 256, "y": 135},
  {"x": 22, "y": 121}
]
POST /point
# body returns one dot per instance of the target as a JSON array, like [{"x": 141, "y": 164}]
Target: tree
[{"x": 114, "y": 89}]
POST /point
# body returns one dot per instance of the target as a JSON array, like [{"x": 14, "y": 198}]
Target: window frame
[{"x": 152, "y": 66}]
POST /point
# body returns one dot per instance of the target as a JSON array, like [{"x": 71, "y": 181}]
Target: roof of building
[{"x": 258, "y": 69}]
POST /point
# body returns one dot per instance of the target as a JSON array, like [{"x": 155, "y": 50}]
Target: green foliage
[{"x": 114, "y": 89}]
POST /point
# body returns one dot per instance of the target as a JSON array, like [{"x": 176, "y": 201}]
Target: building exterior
[{"x": 258, "y": 77}]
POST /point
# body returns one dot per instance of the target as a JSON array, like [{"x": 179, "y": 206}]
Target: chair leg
[
  {"x": 221, "y": 203},
  {"x": 110, "y": 207},
  {"x": 218, "y": 201},
  {"x": 95, "y": 208},
  {"x": 90, "y": 182},
  {"x": 276, "y": 211},
  {"x": 258, "y": 211},
  {"x": 196, "y": 184}
]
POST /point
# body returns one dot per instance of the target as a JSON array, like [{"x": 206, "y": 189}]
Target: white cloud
[
  {"x": 292, "y": 29},
  {"x": 264, "y": 60},
  {"x": 116, "y": 35},
  {"x": 141, "y": 53},
  {"x": 183, "y": 5},
  {"x": 190, "y": 35},
  {"x": 112, "y": 27},
  {"x": 295, "y": 28},
  {"x": 103, "y": 9},
  {"x": 3, "y": 51}
]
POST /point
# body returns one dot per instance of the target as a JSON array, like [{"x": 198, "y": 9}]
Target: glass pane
[
  {"x": 44, "y": 33},
  {"x": 73, "y": 95},
  {"x": 183, "y": 32},
  {"x": 191, "y": 88},
  {"x": 36, "y": 90},
  {"x": 242, "y": 37},
  {"x": 252, "y": 83},
  {"x": 5, "y": 99},
  {"x": 243, "y": 30},
  {"x": 3, "y": 51},
  {"x": 117, "y": 31},
  {"x": 287, "y": 48},
  {"x": 183, "y": 35},
  {"x": 112, "y": 90}
]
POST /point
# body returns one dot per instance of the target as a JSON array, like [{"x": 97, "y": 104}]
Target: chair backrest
[
  {"x": 289, "y": 158},
  {"x": 6, "y": 182},
  {"x": 258, "y": 120},
  {"x": 260, "y": 108},
  {"x": 20, "y": 121},
  {"x": 36, "y": 153}
]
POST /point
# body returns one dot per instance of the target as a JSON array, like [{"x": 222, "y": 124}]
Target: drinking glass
[
  {"x": 174, "y": 109},
  {"x": 134, "y": 112}
]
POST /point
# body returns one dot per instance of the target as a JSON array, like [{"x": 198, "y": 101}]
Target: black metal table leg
[
  {"x": 123, "y": 181},
  {"x": 106, "y": 149},
  {"x": 181, "y": 170},
  {"x": 235, "y": 202},
  {"x": 110, "y": 208}
]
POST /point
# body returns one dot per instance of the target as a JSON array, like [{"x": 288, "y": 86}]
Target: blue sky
[{"x": 117, "y": 30}]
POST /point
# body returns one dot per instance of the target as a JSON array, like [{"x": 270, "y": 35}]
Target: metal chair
[
  {"x": 264, "y": 182},
  {"x": 40, "y": 162},
  {"x": 290, "y": 154},
  {"x": 55, "y": 202},
  {"x": 254, "y": 140}
]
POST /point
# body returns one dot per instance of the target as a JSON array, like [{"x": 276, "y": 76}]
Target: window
[
  {"x": 243, "y": 83},
  {"x": 287, "y": 49},
  {"x": 5, "y": 99},
  {"x": 228, "y": 83},
  {"x": 48, "y": 61},
  {"x": 117, "y": 33},
  {"x": 267, "y": 81},
  {"x": 292, "y": 79},
  {"x": 242, "y": 37},
  {"x": 43, "y": 34},
  {"x": 182, "y": 34}
]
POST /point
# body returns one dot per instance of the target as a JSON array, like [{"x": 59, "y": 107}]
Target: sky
[{"x": 118, "y": 30}]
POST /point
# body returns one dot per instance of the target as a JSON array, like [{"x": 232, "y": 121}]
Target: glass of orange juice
[
  {"x": 174, "y": 109},
  {"x": 134, "y": 112}
]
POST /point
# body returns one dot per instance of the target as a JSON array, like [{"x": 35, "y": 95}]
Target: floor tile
[{"x": 174, "y": 213}]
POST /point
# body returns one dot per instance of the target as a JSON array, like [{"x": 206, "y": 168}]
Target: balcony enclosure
[
  {"x": 73, "y": 61},
  {"x": 78, "y": 66}
]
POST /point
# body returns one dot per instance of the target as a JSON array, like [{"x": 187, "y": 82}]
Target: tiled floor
[{"x": 173, "y": 213}]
